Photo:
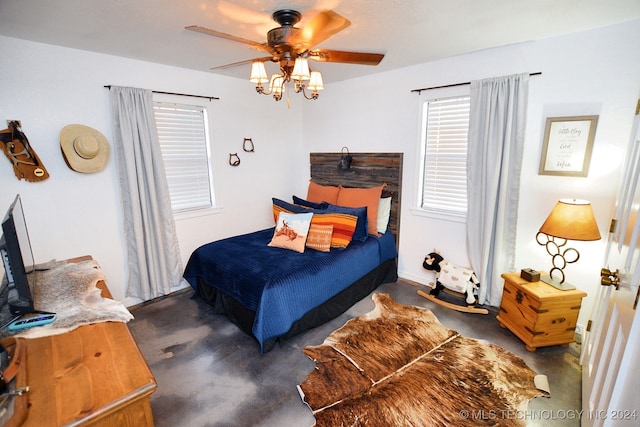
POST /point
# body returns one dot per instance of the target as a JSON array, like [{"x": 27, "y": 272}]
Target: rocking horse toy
[{"x": 459, "y": 281}]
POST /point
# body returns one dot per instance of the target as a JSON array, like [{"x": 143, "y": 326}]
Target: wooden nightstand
[{"x": 539, "y": 314}]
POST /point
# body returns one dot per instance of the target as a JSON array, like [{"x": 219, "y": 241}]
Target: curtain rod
[
  {"x": 458, "y": 84},
  {"x": 180, "y": 94}
]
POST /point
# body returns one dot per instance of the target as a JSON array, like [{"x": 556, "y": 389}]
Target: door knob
[{"x": 609, "y": 278}]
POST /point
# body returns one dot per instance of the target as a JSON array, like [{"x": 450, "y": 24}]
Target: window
[
  {"x": 184, "y": 142},
  {"x": 445, "y": 130}
]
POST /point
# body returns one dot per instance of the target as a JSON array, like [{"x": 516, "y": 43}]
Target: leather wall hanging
[{"x": 26, "y": 163}]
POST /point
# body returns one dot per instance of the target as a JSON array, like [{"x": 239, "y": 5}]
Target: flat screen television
[{"x": 18, "y": 261}]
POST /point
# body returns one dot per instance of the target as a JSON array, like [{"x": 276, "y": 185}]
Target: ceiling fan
[{"x": 291, "y": 47}]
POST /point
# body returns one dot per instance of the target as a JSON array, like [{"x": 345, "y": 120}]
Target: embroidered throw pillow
[{"x": 319, "y": 237}]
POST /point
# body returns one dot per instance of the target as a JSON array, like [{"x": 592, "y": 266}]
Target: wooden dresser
[
  {"x": 537, "y": 313},
  {"x": 94, "y": 375}
]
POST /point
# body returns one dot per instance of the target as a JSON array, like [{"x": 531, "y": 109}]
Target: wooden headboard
[{"x": 367, "y": 170}]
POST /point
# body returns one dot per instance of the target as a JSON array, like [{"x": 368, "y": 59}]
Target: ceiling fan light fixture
[
  {"x": 276, "y": 86},
  {"x": 301, "y": 69},
  {"x": 290, "y": 46},
  {"x": 258, "y": 73},
  {"x": 315, "y": 82}
]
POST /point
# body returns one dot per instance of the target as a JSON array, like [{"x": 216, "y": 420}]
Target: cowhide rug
[
  {"x": 399, "y": 366},
  {"x": 70, "y": 291}
]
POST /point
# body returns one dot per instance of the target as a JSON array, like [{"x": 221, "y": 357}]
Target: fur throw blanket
[{"x": 69, "y": 290}]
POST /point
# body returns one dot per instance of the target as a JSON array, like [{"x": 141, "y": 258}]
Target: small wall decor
[
  {"x": 568, "y": 143},
  {"x": 234, "y": 160},
  {"x": 15, "y": 145},
  {"x": 247, "y": 145}
]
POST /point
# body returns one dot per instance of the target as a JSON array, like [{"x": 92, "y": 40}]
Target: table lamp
[{"x": 570, "y": 219}]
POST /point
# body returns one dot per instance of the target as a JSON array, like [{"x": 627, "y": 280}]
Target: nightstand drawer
[{"x": 535, "y": 338}]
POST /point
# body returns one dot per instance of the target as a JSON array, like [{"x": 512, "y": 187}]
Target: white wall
[
  {"x": 72, "y": 214},
  {"x": 595, "y": 72}
]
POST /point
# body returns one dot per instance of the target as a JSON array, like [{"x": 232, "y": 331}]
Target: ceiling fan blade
[
  {"x": 247, "y": 61},
  {"x": 322, "y": 26},
  {"x": 214, "y": 33},
  {"x": 362, "y": 58}
]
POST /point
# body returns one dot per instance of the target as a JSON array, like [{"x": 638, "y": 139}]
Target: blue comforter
[{"x": 281, "y": 285}]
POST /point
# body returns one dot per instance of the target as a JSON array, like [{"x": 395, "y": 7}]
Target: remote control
[{"x": 42, "y": 319}]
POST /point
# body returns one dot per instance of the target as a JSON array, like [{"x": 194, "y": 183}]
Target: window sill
[
  {"x": 180, "y": 216},
  {"x": 445, "y": 216}
]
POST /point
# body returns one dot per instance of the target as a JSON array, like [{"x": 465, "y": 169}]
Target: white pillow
[{"x": 384, "y": 211}]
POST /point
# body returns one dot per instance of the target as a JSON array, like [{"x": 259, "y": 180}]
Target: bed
[{"x": 274, "y": 293}]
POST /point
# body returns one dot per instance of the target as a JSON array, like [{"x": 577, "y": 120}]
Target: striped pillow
[{"x": 344, "y": 226}]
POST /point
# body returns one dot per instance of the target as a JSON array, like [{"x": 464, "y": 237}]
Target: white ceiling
[{"x": 408, "y": 32}]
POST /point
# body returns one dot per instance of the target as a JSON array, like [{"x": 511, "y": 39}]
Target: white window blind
[
  {"x": 183, "y": 135},
  {"x": 446, "y": 130}
]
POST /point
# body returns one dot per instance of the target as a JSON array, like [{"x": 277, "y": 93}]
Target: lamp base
[{"x": 564, "y": 286}]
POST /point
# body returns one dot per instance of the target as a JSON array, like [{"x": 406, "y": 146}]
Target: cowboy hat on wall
[{"x": 85, "y": 149}]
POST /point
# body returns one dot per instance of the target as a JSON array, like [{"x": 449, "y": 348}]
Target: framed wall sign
[{"x": 568, "y": 142}]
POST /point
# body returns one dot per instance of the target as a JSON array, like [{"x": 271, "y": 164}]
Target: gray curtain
[
  {"x": 152, "y": 246},
  {"x": 496, "y": 141}
]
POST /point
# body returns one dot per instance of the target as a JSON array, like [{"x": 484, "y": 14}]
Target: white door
[{"x": 611, "y": 346}]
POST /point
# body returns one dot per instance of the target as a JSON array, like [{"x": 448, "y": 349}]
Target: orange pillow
[
  {"x": 319, "y": 237},
  {"x": 344, "y": 225},
  {"x": 322, "y": 193},
  {"x": 359, "y": 197}
]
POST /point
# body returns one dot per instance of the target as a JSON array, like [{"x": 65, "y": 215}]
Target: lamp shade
[
  {"x": 276, "y": 85},
  {"x": 258, "y": 73},
  {"x": 316, "y": 81},
  {"x": 571, "y": 219},
  {"x": 301, "y": 69}
]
